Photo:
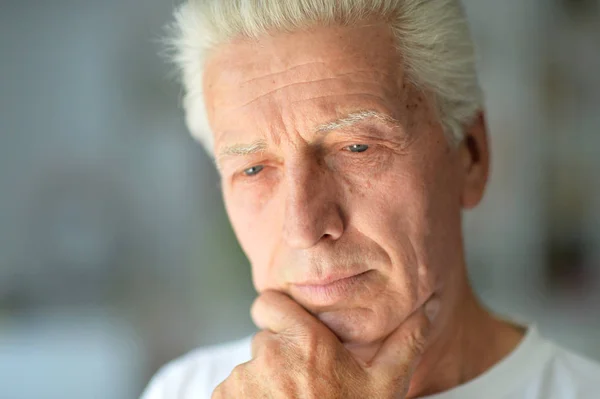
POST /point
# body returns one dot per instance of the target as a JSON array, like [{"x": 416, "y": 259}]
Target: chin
[{"x": 356, "y": 326}]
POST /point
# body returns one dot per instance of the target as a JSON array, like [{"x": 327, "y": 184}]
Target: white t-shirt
[{"x": 536, "y": 369}]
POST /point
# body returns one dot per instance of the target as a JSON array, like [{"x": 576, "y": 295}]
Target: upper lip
[{"x": 330, "y": 278}]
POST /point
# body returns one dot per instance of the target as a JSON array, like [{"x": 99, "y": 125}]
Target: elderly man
[{"x": 349, "y": 135}]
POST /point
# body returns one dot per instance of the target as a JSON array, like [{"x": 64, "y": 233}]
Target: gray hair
[{"x": 432, "y": 37}]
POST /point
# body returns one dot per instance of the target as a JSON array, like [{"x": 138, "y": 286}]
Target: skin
[{"x": 384, "y": 195}]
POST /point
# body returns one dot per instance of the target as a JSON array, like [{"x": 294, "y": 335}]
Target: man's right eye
[{"x": 253, "y": 171}]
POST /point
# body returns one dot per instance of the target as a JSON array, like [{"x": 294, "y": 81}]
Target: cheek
[
  {"x": 403, "y": 213},
  {"x": 256, "y": 235}
]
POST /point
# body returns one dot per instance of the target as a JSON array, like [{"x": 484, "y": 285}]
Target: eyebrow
[
  {"x": 243, "y": 149},
  {"x": 340, "y": 123},
  {"x": 354, "y": 118}
]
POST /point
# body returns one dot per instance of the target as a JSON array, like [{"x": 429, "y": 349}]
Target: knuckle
[
  {"x": 309, "y": 343},
  {"x": 316, "y": 351},
  {"x": 238, "y": 373},
  {"x": 267, "y": 298},
  {"x": 258, "y": 304},
  {"x": 417, "y": 340},
  {"x": 259, "y": 301},
  {"x": 272, "y": 354},
  {"x": 261, "y": 339}
]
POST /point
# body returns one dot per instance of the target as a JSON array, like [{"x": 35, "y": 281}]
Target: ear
[{"x": 475, "y": 160}]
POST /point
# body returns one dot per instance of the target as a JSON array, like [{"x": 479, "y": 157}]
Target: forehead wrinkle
[
  {"x": 272, "y": 75},
  {"x": 290, "y": 85}
]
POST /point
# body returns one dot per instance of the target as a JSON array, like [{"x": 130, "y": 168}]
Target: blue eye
[
  {"x": 253, "y": 171},
  {"x": 358, "y": 148}
]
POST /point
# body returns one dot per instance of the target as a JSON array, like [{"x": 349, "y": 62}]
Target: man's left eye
[{"x": 357, "y": 148}]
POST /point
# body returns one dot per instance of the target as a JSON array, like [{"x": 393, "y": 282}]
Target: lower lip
[{"x": 328, "y": 294}]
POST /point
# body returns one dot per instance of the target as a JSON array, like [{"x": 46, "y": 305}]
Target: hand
[{"x": 296, "y": 356}]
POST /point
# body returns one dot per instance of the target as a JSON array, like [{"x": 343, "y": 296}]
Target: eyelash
[{"x": 247, "y": 172}]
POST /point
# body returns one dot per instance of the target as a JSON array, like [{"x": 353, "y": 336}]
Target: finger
[
  {"x": 279, "y": 313},
  {"x": 260, "y": 341},
  {"x": 401, "y": 351}
]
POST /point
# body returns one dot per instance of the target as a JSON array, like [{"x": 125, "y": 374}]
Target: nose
[{"x": 312, "y": 209}]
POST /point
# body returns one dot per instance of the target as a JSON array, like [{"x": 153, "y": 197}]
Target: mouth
[{"x": 332, "y": 289}]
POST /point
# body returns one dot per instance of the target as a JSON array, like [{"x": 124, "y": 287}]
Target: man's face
[{"x": 358, "y": 221}]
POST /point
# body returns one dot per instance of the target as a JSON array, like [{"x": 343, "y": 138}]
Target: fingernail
[{"x": 432, "y": 308}]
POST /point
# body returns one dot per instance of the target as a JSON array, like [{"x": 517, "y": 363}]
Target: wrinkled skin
[
  {"x": 296, "y": 356},
  {"x": 382, "y": 195}
]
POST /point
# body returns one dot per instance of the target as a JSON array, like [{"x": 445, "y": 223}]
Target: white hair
[{"x": 431, "y": 35}]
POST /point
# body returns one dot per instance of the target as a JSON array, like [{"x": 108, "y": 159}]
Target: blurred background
[{"x": 116, "y": 254}]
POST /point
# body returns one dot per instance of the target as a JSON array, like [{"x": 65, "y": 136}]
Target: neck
[{"x": 472, "y": 341}]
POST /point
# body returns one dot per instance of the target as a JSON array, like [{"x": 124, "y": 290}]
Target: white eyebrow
[
  {"x": 354, "y": 118},
  {"x": 243, "y": 149},
  {"x": 345, "y": 121}
]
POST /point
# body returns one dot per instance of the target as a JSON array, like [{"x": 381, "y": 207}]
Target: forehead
[{"x": 308, "y": 77}]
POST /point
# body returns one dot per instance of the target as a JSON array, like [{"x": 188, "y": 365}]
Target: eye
[
  {"x": 357, "y": 148},
  {"x": 253, "y": 171}
]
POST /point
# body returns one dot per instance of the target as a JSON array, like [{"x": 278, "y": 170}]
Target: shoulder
[
  {"x": 566, "y": 375},
  {"x": 570, "y": 367},
  {"x": 196, "y": 374}
]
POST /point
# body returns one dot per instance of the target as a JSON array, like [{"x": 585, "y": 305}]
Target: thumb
[{"x": 399, "y": 354}]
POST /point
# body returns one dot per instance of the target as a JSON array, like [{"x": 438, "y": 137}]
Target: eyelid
[
  {"x": 240, "y": 170},
  {"x": 392, "y": 136},
  {"x": 235, "y": 166}
]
